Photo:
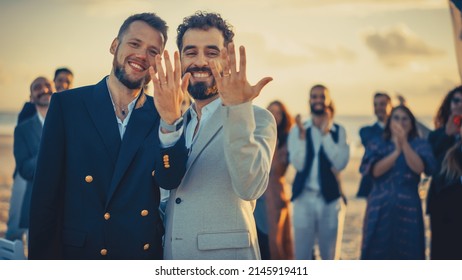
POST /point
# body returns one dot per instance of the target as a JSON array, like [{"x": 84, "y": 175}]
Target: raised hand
[
  {"x": 327, "y": 122},
  {"x": 232, "y": 85},
  {"x": 169, "y": 87},
  {"x": 301, "y": 128},
  {"x": 451, "y": 128},
  {"x": 398, "y": 135}
]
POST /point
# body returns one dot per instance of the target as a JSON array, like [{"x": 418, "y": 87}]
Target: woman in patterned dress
[{"x": 393, "y": 225}]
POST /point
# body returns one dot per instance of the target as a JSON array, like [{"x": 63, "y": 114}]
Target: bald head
[{"x": 40, "y": 91}]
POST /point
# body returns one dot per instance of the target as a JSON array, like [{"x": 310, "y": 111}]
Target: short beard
[
  {"x": 200, "y": 91},
  {"x": 39, "y": 103},
  {"x": 121, "y": 75},
  {"x": 317, "y": 112}
]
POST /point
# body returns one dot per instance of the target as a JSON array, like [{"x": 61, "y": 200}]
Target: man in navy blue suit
[
  {"x": 382, "y": 110},
  {"x": 100, "y": 164}
]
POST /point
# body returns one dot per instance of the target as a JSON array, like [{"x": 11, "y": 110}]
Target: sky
[{"x": 354, "y": 47}]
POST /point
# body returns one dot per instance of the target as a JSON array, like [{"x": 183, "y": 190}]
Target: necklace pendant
[{"x": 123, "y": 112}]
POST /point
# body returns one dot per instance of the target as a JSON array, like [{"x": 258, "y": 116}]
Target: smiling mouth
[
  {"x": 201, "y": 75},
  {"x": 137, "y": 66}
]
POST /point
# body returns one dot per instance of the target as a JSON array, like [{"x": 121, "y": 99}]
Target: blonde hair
[{"x": 451, "y": 167}]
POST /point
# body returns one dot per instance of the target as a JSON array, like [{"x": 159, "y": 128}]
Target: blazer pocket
[
  {"x": 74, "y": 238},
  {"x": 223, "y": 240}
]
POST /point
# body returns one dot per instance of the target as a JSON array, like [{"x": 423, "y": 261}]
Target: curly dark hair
[
  {"x": 444, "y": 111},
  {"x": 286, "y": 123},
  {"x": 412, "y": 134},
  {"x": 150, "y": 19},
  {"x": 204, "y": 20}
]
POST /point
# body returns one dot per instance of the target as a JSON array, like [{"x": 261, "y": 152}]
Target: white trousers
[
  {"x": 314, "y": 219},
  {"x": 13, "y": 231}
]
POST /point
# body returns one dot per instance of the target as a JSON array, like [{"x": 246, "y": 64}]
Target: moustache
[
  {"x": 43, "y": 94},
  {"x": 199, "y": 69}
]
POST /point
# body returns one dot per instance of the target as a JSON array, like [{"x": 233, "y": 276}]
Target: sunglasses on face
[{"x": 456, "y": 100}]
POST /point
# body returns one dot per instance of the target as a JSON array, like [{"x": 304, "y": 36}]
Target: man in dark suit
[
  {"x": 382, "y": 110},
  {"x": 27, "y": 137},
  {"x": 100, "y": 165}
]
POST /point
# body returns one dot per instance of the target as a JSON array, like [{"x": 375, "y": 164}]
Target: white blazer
[{"x": 210, "y": 215}]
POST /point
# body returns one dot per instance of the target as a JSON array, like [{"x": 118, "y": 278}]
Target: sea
[{"x": 352, "y": 124}]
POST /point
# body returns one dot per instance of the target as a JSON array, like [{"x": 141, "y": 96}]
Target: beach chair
[{"x": 11, "y": 250}]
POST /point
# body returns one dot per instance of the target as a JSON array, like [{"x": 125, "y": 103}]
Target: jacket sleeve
[
  {"x": 25, "y": 159},
  {"x": 249, "y": 144},
  {"x": 171, "y": 164},
  {"x": 47, "y": 192}
]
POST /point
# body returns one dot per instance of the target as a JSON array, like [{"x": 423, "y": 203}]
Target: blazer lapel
[
  {"x": 141, "y": 123},
  {"x": 102, "y": 113},
  {"x": 37, "y": 128},
  {"x": 206, "y": 134}
]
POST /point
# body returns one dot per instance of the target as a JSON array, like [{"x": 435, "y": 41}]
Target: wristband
[{"x": 172, "y": 127}]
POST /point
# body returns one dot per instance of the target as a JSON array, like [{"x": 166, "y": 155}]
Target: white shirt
[
  {"x": 123, "y": 124},
  {"x": 207, "y": 112},
  {"x": 41, "y": 119},
  {"x": 169, "y": 139},
  {"x": 337, "y": 153}
]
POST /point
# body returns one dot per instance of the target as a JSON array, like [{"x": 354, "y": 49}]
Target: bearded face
[
  {"x": 124, "y": 78},
  {"x": 318, "y": 108},
  {"x": 202, "y": 90}
]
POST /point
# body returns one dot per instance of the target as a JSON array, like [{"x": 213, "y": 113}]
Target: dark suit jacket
[
  {"x": 440, "y": 143},
  {"x": 367, "y": 134},
  {"x": 27, "y": 112},
  {"x": 26, "y": 146},
  {"x": 96, "y": 196}
]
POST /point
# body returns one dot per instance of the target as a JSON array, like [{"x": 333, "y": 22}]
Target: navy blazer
[
  {"x": 96, "y": 196},
  {"x": 27, "y": 136},
  {"x": 367, "y": 134}
]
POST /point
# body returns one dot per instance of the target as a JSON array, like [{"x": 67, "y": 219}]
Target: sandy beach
[
  {"x": 350, "y": 177},
  {"x": 6, "y": 178}
]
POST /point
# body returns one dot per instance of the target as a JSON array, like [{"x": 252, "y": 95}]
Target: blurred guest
[
  {"x": 27, "y": 137},
  {"x": 14, "y": 231},
  {"x": 446, "y": 241},
  {"x": 446, "y": 134},
  {"x": 318, "y": 150},
  {"x": 63, "y": 79},
  {"x": 422, "y": 129},
  {"x": 393, "y": 225},
  {"x": 272, "y": 209},
  {"x": 382, "y": 110}
]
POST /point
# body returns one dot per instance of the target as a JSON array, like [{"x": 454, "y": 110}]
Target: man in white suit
[{"x": 231, "y": 144}]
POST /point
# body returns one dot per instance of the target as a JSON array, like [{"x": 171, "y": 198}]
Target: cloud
[
  {"x": 294, "y": 54},
  {"x": 398, "y": 46},
  {"x": 384, "y": 3},
  {"x": 330, "y": 55}
]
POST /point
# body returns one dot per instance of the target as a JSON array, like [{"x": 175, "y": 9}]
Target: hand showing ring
[{"x": 233, "y": 86}]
